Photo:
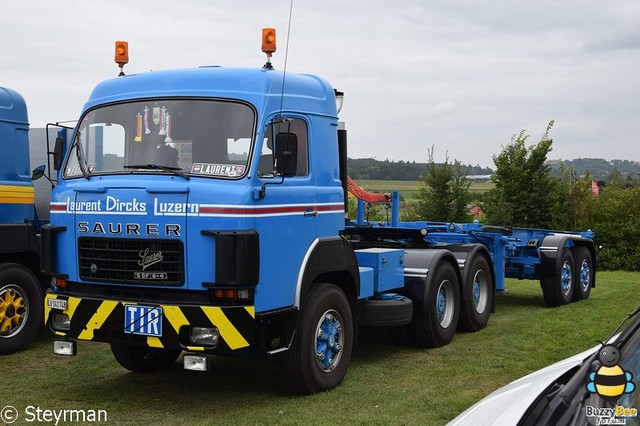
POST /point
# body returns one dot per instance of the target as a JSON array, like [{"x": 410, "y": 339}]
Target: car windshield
[{"x": 210, "y": 138}]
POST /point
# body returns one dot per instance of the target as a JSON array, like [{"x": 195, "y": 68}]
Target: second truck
[{"x": 203, "y": 211}]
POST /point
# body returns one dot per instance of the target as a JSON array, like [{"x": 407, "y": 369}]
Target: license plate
[
  {"x": 57, "y": 304},
  {"x": 143, "y": 320}
]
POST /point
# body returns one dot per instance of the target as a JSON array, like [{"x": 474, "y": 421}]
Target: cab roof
[{"x": 260, "y": 87}]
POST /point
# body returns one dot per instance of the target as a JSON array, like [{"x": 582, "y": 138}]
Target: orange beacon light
[
  {"x": 122, "y": 54},
  {"x": 268, "y": 44}
]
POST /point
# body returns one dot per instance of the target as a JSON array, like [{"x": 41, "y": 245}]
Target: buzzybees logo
[{"x": 610, "y": 381}]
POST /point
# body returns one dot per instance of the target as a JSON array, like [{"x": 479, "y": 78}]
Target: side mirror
[
  {"x": 286, "y": 154},
  {"x": 58, "y": 151},
  {"x": 38, "y": 172}
]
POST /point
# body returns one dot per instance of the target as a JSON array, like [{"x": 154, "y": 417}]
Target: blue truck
[
  {"x": 203, "y": 211},
  {"x": 21, "y": 283}
]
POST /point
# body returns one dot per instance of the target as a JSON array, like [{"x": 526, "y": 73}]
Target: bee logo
[{"x": 610, "y": 381}]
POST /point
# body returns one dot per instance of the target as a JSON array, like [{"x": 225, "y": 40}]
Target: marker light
[
  {"x": 339, "y": 100},
  {"x": 122, "y": 53},
  {"x": 268, "y": 41}
]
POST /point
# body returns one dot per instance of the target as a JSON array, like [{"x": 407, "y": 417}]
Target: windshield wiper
[
  {"x": 82, "y": 163},
  {"x": 173, "y": 170}
]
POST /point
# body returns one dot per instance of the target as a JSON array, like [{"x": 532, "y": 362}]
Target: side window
[{"x": 295, "y": 126}]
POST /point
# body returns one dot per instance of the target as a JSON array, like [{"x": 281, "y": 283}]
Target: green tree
[
  {"x": 445, "y": 193},
  {"x": 525, "y": 193},
  {"x": 576, "y": 200},
  {"x": 616, "y": 223}
]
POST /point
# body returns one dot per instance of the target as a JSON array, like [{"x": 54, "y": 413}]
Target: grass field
[
  {"x": 408, "y": 189},
  {"x": 386, "y": 384}
]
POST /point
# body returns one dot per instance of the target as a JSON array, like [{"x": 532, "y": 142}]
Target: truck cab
[{"x": 207, "y": 196}]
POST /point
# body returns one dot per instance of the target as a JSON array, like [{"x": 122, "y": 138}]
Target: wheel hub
[
  {"x": 329, "y": 341},
  {"x": 12, "y": 311},
  {"x": 566, "y": 278},
  {"x": 444, "y": 309},
  {"x": 585, "y": 275}
]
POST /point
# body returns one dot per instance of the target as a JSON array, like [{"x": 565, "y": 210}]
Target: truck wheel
[
  {"x": 583, "y": 278},
  {"x": 385, "y": 313},
  {"x": 319, "y": 355},
  {"x": 436, "y": 325},
  {"x": 557, "y": 288},
  {"x": 21, "y": 307},
  {"x": 141, "y": 359},
  {"x": 475, "y": 310}
]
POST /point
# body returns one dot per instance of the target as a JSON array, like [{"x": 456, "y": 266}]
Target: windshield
[{"x": 200, "y": 137}]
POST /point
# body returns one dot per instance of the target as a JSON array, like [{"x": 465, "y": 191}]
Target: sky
[{"x": 460, "y": 76}]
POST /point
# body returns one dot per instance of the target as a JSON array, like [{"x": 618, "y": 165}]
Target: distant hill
[
  {"x": 598, "y": 167},
  {"x": 372, "y": 169}
]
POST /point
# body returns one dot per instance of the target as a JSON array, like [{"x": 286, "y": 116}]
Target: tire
[
  {"x": 558, "y": 288},
  {"x": 21, "y": 307},
  {"x": 141, "y": 359},
  {"x": 584, "y": 273},
  {"x": 476, "y": 308},
  {"x": 436, "y": 325},
  {"x": 385, "y": 313},
  {"x": 321, "y": 350}
]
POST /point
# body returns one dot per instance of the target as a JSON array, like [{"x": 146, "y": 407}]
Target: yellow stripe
[
  {"x": 12, "y": 194},
  {"x": 195, "y": 348},
  {"x": 251, "y": 310},
  {"x": 154, "y": 342},
  {"x": 98, "y": 319},
  {"x": 72, "y": 304},
  {"x": 175, "y": 316},
  {"x": 228, "y": 332}
]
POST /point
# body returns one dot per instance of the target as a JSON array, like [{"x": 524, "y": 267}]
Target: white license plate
[
  {"x": 144, "y": 320},
  {"x": 57, "y": 304}
]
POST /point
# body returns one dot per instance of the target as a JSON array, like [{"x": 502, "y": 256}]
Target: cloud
[{"x": 461, "y": 75}]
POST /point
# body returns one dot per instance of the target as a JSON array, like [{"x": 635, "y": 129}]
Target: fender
[
  {"x": 418, "y": 263},
  {"x": 328, "y": 260},
  {"x": 551, "y": 248}
]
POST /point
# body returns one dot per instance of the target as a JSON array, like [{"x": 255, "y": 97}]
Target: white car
[{"x": 598, "y": 386}]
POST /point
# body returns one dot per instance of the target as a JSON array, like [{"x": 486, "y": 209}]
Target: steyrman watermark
[{"x": 36, "y": 414}]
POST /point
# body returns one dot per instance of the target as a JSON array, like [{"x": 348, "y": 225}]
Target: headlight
[
  {"x": 204, "y": 336},
  {"x": 60, "y": 322}
]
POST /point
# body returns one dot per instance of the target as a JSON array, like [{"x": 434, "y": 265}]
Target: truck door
[{"x": 290, "y": 212}]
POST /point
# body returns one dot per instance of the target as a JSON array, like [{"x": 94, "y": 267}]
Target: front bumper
[{"x": 103, "y": 320}]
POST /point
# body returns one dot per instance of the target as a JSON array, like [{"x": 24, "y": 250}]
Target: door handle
[{"x": 311, "y": 213}]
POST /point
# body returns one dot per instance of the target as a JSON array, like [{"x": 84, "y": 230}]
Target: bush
[{"x": 616, "y": 222}]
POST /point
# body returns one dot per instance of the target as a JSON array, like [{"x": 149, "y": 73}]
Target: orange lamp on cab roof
[
  {"x": 269, "y": 41},
  {"x": 122, "y": 53}
]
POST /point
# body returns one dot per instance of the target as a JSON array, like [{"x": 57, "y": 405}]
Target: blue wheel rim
[
  {"x": 585, "y": 276},
  {"x": 566, "y": 278},
  {"x": 329, "y": 340},
  {"x": 445, "y": 302},
  {"x": 480, "y": 292}
]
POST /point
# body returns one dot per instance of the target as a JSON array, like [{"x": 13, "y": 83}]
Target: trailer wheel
[
  {"x": 21, "y": 307},
  {"x": 558, "y": 288},
  {"x": 475, "y": 310},
  {"x": 319, "y": 355},
  {"x": 436, "y": 325},
  {"x": 141, "y": 359},
  {"x": 583, "y": 273}
]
